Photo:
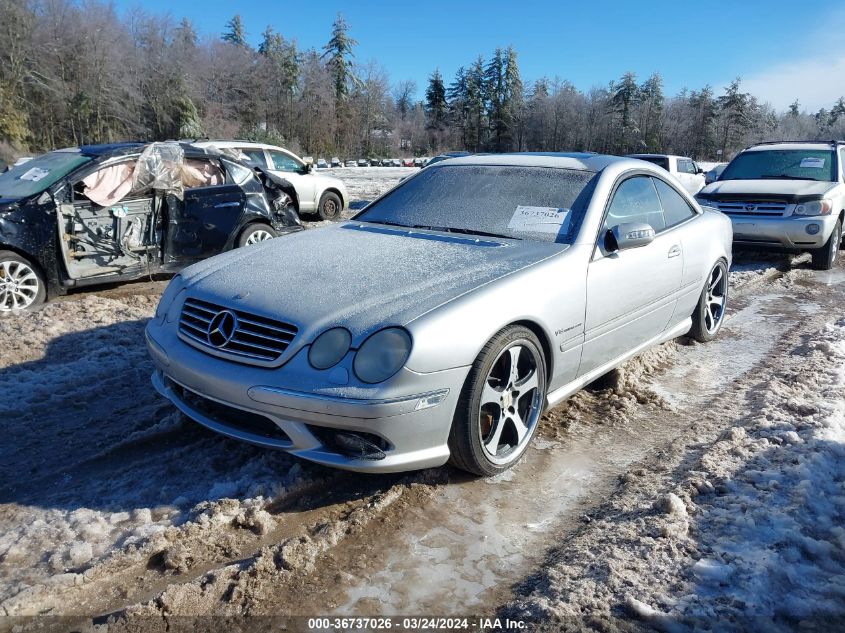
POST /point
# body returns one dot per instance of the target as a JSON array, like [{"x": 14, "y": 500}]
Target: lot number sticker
[
  {"x": 813, "y": 163},
  {"x": 540, "y": 220}
]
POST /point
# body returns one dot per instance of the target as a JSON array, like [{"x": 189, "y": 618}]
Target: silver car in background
[{"x": 442, "y": 320}]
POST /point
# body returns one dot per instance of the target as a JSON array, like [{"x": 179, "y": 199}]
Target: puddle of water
[{"x": 460, "y": 556}]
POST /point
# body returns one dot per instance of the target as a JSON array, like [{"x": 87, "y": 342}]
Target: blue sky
[{"x": 782, "y": 50}]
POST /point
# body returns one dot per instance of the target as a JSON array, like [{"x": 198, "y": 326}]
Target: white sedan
[{"x": 317, "y": 193}]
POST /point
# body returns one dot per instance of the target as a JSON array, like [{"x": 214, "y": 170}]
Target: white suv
[
  {"x": 688, "y": 173},
  {"x": 324, "y": 195},
  {"x": 787, "y": 195}
]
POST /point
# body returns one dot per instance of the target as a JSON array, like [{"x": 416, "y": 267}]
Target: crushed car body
[{"x": 107, "y": 213}]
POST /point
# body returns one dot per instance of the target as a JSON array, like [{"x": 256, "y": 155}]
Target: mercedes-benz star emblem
[{"x": 222, "y": 328}]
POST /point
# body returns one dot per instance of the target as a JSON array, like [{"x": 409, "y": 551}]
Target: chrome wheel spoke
[
  {"x": 513, "y": 376},
  {"x": 489, "y": 395},
  {"x": 492, "y": 444},
  {"x": 529, "y": 383},
  {"x": 521, "y": 427},
  {"x": 717, "y": 277}
]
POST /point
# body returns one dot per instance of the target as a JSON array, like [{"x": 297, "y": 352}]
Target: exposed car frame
[{"x": 64, "y": 240}]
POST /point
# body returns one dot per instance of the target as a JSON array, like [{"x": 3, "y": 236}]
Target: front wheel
[
  {"x": 710, "y": 311},
  {"x": 330, "y": 206},
  {"x": 825, "y": 258},
  {"x": 21, "y": 285},
  {"x": 255, "y": 234},
  {"x": 501, "y": 403}
]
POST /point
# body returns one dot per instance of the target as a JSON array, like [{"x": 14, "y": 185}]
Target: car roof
[
  {"x": 572, "y": 160},
  {"x": 658, "y": 156},
  {"x": 794, "y": 145},
  {"x": 109, "y": 149},
  {"x": 112, "y": 150}
]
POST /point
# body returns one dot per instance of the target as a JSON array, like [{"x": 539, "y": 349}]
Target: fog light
[
  {"x": 431, "y": 400},
  {"x": 812, "y": 229}
]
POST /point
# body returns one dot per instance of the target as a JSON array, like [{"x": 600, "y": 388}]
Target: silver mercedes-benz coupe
[{"x": 441, "y": 321}]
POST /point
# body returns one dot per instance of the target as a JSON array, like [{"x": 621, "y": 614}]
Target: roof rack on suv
[{"x": 831, "y": 142}]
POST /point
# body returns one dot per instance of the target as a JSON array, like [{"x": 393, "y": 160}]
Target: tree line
[{"x": 76, "y": 73}]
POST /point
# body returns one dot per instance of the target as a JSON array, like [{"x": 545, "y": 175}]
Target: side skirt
[{"x": 562, "y": 393}]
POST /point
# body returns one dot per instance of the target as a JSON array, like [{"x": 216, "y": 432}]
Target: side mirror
[
  {"x": 308, "y": 168},
  {"x": 630, "y": 235}
]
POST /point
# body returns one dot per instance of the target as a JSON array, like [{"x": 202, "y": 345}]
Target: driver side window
[
  {"x": 635, "y": 200},
  {"x": 283, "y": 162}
]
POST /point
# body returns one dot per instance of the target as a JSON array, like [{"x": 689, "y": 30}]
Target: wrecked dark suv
[{"x": 107, "y": 213}]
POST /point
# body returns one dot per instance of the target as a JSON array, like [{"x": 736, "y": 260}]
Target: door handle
[
  {"x": 223, "y": 205},
  {"x": 675, "y": 251}
]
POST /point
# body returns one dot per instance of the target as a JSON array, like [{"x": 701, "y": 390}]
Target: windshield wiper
[
  {"x": 449, "y": 229},
  {"x": 786, "y": 177}
]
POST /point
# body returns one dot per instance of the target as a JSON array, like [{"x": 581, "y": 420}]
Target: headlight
[
  {"x": 173, "y": 288},
  {"x": 382, "y": 355},
  {"x": 814, "y": 207},
  {"x": 329, "y": 348}
]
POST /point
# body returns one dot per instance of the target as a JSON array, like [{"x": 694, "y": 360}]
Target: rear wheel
[
  {"x": 21, "y": 285},
  {"x": 825, "y": 258},
  {"x": 710, "y": 311},
  {"x": 330, "y": 206},
  {"x": 256, "y": 233},
  {"x": 501, "y": 403}
]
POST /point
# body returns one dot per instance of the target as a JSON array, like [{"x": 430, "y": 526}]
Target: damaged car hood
[
  {"x": 784, "y": 189},
  {"x": 357, "y": 275}
]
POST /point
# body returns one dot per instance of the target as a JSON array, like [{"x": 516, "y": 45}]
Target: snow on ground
[
  {"x": 738, "y": 526},
  {"x": 368, "y": 183},
  {"x": 80, "y": 422}
]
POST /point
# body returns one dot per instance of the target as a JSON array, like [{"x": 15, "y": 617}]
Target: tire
[
  {"x": 256, "y": 233},
  {"x": 22, "y": 285},
  {"x": 330, "y": 206},
  {"x": 710, "y": 310},
  {"x": 826, "y": 257},
  {"x": 486, "y": 414}
]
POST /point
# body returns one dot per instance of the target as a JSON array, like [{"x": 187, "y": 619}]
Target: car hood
[
  {"x": 789, "y": 190},
  {"x": 360, "y": 276}
]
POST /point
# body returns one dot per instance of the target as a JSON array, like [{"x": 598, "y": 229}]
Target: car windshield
[
  {"x": 790, "y": 164},
  {"x": 660, "y": 161},
  {"x": 36, "y": 175},
  {"x": 533, "y": 203}
]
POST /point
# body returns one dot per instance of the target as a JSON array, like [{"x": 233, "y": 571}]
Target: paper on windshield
[
  {"x": 813, "y": 163},
  {"x": 35, "y": 174},
  {"x": 540, "y": 220}
]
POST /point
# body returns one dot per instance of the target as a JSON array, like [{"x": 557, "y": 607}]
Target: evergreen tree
[
  {"x": 235, "y": 34},
  {"x": 794, "y": 108},
  {"x": 651, "y": 111},
  {"x": 475, "y": 104},
  {"x": 436, "y": 107},
  {"x": 736, "y": 111},
  {"x": 514, "y": 102},
  {"x": 624, "y": 98},
  {"x": 494, "y": 91},
  {"x": 458, "y": 105},
  {"x": 704, "y": 110},
  {"x": 339, "y": 54},
  {"x": 837, "y": 111}
]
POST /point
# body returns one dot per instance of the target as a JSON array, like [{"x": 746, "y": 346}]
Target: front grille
[
  {"x": 252, "y": 337},
  {"x": 760, "y": 208},
  {"x": 237, "y": 419}
]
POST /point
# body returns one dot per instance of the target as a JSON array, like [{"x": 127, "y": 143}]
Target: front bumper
[
  {"x": 202, "y": 386},
  {"x": 790, "y": 232}
]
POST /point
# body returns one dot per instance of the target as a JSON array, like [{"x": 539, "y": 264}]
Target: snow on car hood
[
  {"x": 360, "y": 276},
  {"x": 792, "y": 190}
]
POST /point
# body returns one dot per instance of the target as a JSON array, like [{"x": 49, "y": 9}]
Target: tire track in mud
[{"x": 359, "y": 544}]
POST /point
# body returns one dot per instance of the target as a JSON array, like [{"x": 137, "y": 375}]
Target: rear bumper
[
  {"x": 235, "y": 401},
  {"x": 792, "y": 232}
]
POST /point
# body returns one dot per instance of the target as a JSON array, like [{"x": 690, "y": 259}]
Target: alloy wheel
[
  {"x": 257, "y": 236},
  {"x": 510, "y": 403},
  {"x": 19, "y": 285},
  {"x": 714, "y": 305}
]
